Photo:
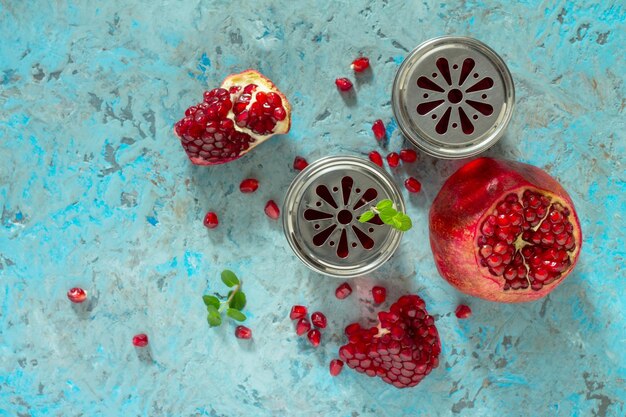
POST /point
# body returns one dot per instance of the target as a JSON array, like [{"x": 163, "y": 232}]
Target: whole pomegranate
[
  {"x": 504, "y": 231},
  {"x": 244, "y": 112}
]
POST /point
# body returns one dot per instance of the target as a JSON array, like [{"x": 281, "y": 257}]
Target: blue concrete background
[{"x": 96, "y": 192}]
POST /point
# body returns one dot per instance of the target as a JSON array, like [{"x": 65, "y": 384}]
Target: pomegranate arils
[
  {"x": 343, "y": 84},
  {"x": 297, "y": 312},
  {"x": 413, "y": 185},
  {"x": 343, "y": 291},
  {"x": 210, "y": 220},
  {"x": 360, "y": 64},
  {"x": 379, "y": 129},
  {"x": 299, "y": 163},
  {"x": 242, "y": 332},
  {"x": 408, "y": 155},
  {"x": 336, "y": 365},
  {"x": 319, "y": 320},
  {"x": 302, "y": 326},
  {"x": 140, "y": 340},
  {"x": 314, "y": 337},
  {"x": 249, "y": 185},
  {"x": 272, "y": 210},
  {"x": 379, "y": 294},
  {"x": 393, "y": 159},
  {"x": 77, "y": 295},
  {"x": 463, "y": 311},
  {"x": 376, "y": 158}
]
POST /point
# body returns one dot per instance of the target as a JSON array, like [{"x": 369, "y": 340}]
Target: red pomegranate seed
[
  {"x": 242, "y": 332},
  {"x": 210, "y": 220},
  {"x": 297, "y": 312},
  {"x": 249, "y": 185},
  {"x": 303, "y": 326},
  {"x": 299, "y": 163},
  {"x": 413, "y": 185},
  {"x": 376, "y": 158},
  {"x": 140, "y": 340},
  {"x": 272, "y": 210},
  {"x": 379, "y": 294},
  {"x": 393, "y": 159},
  {"x": 319, "y": 320},
  {"x": 77, "y": 295},
  {"x": 336, "y": 365},
  {"x": 360, "y": 64},
  {"x": 343, "y": 291},
  {"x": 408, "y": 155},
  {"x": 343, "y": 84},
  {"x": 314, "y": 337},
  {"x": 463, "y": 311},
  {"x": 379, "y": 129}
]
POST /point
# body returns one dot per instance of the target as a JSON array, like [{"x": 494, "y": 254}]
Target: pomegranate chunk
[
  {"x": 299, "y": 163},
  {"x": 376, "y": 158},
  {"x": 393, "y": 159},
  {"x": 140, "y": 340},
  {"x": 210, "y": 220},
  {"x": 249, "y": 185},
  {"x": 379, "y": 129},
  {"x": 336, "y": 365},
  {"x": 379, "y": 294},
  {"x": 319, "y": 320},
  {"x": 303, "y": 326},
  {"x": 408, "y": 155},
  {"x": 343, "y": 84},
  {"x": 463, "y": 311},
  {"x": 343, "y": 291},
  {"x": 314, "y": 337},
  {"x": 77, "y": 295},
  {"x": 242, "y": 332},
  {"x": 297, "y": 312},
  {"x": 360, "y": 64},
  {"x": 413, "y": 185},
  {"x": 272, "y": 210}
]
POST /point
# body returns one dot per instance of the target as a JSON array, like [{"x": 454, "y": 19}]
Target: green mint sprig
[
  {"x": 389, "y": 215},
  {"x": 234, "y": 302}
]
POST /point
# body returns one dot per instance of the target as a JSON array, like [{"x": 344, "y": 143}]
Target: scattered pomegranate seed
[
  {"x": 343, "y": 84},
  {"x": 249, "y": 185},
  {"x": 376, "y": 158},
  {"x": 314, "y": 337},
  {"x": 393, "y": 159},
  {"x": 299, "y": 163},
  {"x": 379, "y": 294},
  {"x": 379, "y": 129},
  {"x": 303, "y": 326},
  {"x": 242, "y": 332},
  {"x": 210, "y": 220},
  {"x": 319, "y": 320},
  {"x": 297, "y": 312},
  {"x": 343, "y": 291},
  {"x": 77, "y": 295},
  {"x": 413, "y": 185},
  {"x": 360, "y": 64},
  {"x": 408, "y": 155},
  {"x": 272, "y": 210},
  {"x": 336, "y": 365},
  {"x": 463, "y": 311},
  {"x": 140, "y": 340}
]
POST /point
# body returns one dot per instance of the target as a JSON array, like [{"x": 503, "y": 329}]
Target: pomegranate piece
[
  {"x": 272, "y": 210},
  {"x": 408, "y": 155},
  {"x": 401, "y": 350},
  {"x": 343, "y": 291},
  {"x": 379, "y": 294},
  {"x": 210, "y": 220},
  {"x": 376, "y": 158},
  {"x": 413, "y": 185},
  {"x": 336, "y": 365},
  {"x": 463, "y": 311},
  {"x": 303, "y": 326},
  {"x": 140, "y": 340},
  {"x": 232, "y": 120},
  {"x": 77, "y": 295},
  {"x": 379, "y": 129},
  {"x": 504, "y": 231},
  {"x": 343, "y": 84},
  {"x": 249, "y": 185},
  {"x": 242, "y": 332},
  {"x": 360, "y": 64},
  {"x": 297, "y": 312},
  {"x": 314, "y": 337},
  {"x": 393, "y": 159},
  {"x": 299, "y": 163},
  {"x": 319, "y": 320}
]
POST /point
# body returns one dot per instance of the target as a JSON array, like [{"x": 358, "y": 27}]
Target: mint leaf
[
  {"x": 383, "y": 204},
  {"x": 367, "y": 216},
  {"x": 387, "y": 214},
  {"x": 405, "y": 223},
  {"x": 235, "y": 314},
  {"x": 214, "y": 318},
  {"x": 396, "y": 221},
  {"x": 210, "y": 300},
  {"x": 229, "y": 278},
  {"x": 238, "y": 301}
]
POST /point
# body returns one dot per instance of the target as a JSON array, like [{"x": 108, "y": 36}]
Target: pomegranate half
[
  {"x": 232, "y": 120},
  {"x": 504, "y": 231}
]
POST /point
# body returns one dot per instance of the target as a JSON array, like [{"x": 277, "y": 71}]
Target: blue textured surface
[{"x": 96, "y": 192}]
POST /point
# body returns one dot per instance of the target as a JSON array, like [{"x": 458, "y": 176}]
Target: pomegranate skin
[{"x": 462, "y": 205}]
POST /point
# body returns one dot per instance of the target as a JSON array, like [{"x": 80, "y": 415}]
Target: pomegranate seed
[
  {"x": 413, "y": 185},
  {"x": 319, "y": 320},
  {"x": 77, "y": 295},
  {"x": 379, "y": 129},
  {"x": 336, "y": 365},
  {"x": 303, "y": 326},
  {"x": 314, "y": 337},
  {"x": 272, "y": 210},
  {"x": 299, "y": 163},
  {"x": 140, "y": 340},
  {"x": 360, "y": 64},
  {"x": 376, "y": 158},
  {"x": 210, "y": 220},
  {"x": 297, "y": 312},
  {"x": 408, "y": 155},
  {"x": 242, "y": 332},
  {"x": 393, "y": 159},
  {"x": 343, "y": 291},
  {"x": 343, "y": 84},
  {"x": 379, "y": 294},
  {"x": 249, "y": 185},
  {"x": 463, "y": 311}
]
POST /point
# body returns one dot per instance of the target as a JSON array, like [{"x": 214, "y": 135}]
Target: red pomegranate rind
[{"x": 495, "y": 207}]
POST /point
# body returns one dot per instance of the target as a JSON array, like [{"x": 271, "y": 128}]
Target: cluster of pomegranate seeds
[
  {"x": 303, "y": 325},
  {"x": 298, "y": 312},
  {"x": 527, "y": 241},
  {"x": 413, "y": 185},
  {"x": 242, "y": 332},
  {"x": 77, "y": 295},
  {"x": 336, "y": 365},
  {"x": 272, "y": 210},
  {"x": 262, "y": 115},
  {"x": 249, "y": 185},
  {"x": 376, "y": 158},
  {"x": 463, "y": 311},
  {"x": 379, "y": 294},
  {"x": 299, "y": 163},
  {"x": 343, "y": 84},
  {"x": 401, "y": 350},
  {"x": 343, "y": 291},
  {"x": 140, "y": 340},
  {"x": 408, "y": 155},
  {"x": 319, "y": 320},
  {"x": 393, "y": 159},
  {"x": 360, "y": 64},
  {"x": 379, "y": 130}
]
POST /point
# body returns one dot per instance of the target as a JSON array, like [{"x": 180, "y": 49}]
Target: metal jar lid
[
  {"x": 320, "y": 216},
  {"x": 453, "y": 97}
]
